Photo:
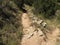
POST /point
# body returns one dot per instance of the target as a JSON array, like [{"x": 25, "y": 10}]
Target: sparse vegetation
[{"x": 10, "y": 22}]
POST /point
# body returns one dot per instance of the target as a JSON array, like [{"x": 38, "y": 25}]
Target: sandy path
[
  {"x": 25, "y": 20},
  {"x": 36, "y": 39},
  {"x": 53, "y": 37}
]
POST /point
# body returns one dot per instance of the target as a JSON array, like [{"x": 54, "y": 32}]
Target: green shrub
[{"x": 46, "y": 7}]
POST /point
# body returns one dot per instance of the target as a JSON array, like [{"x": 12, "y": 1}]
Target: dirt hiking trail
[{"x": 35, "y": 38}]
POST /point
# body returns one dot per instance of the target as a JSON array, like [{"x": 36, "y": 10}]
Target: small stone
[
  {"x": 44, "y": 24},
  {"x": 30, "y": 35},
  {"x": 40, "y": 32},
  {"x": 39, "y": 22}
]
